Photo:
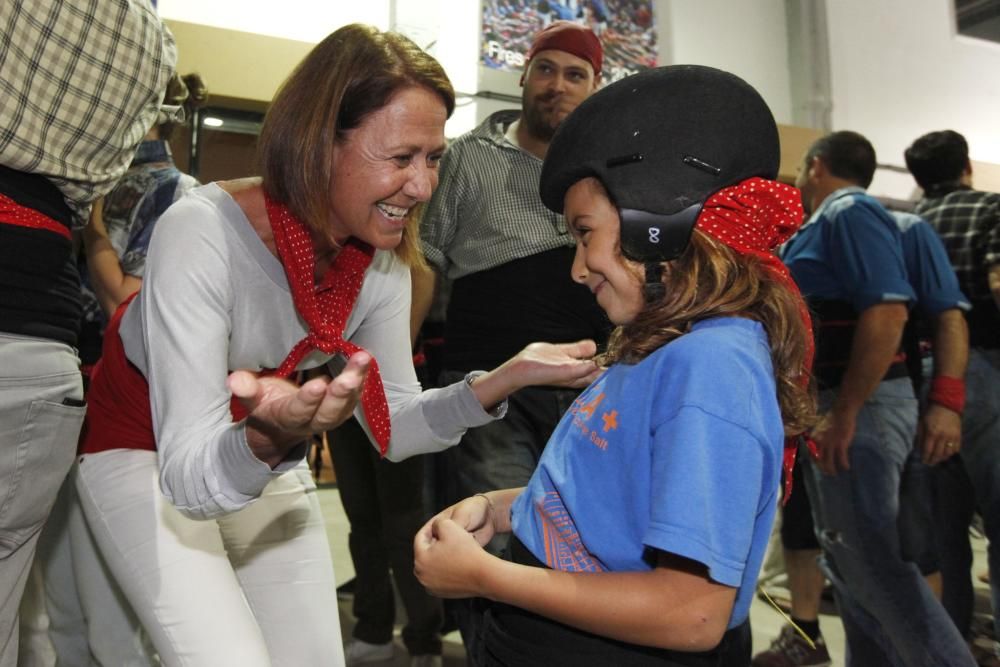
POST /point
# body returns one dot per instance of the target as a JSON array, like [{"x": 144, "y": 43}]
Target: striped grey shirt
[
  {"x": 80, "y": 85},
  {"x": 486, "y": 211}
]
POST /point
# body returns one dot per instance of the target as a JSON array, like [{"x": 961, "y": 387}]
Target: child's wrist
[{"x": 490, "y": 508}]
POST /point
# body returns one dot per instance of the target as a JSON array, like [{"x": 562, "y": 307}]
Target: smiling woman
[
  {"x": 248, "y": 283},
  {"x": 385, "y": 168}
]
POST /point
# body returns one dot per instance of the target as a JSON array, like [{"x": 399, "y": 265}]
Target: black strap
[{"x": 36, "y": 192}]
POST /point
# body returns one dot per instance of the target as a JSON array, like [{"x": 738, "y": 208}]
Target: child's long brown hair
[{"x": 710, "y": 280}]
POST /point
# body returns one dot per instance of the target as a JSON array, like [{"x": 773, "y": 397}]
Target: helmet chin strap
[{"x": 654, "y": 289}]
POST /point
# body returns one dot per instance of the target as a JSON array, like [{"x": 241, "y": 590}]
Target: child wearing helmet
[{"x": 639, "y": 537}]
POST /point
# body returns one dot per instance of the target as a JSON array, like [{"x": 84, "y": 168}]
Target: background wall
[
  {"x": 896, "y": 68},
  {"x": 899, "y": 68},
  {"x": 748, "y": 39}
]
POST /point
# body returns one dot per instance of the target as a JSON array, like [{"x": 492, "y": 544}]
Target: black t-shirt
[{"x": 494, "y": 314}]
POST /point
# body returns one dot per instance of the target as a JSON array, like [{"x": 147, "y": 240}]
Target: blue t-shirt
[
  {"x": 928, "y": 267},
  {"x": 680, "y": 452},
  {"x": 849, "y": 250}
]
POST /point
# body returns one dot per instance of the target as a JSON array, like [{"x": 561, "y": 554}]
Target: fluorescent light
[{"x": 212, "y": 121}]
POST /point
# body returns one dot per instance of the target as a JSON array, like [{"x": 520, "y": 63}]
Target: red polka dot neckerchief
[
  {"x": 754, "y": 217},
  {"x": 325, "y": 307}
]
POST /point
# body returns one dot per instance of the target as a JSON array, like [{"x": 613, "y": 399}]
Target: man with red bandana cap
[{"x": 508, "y": 258}]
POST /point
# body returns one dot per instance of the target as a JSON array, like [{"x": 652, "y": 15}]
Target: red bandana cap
[
  {"x": 754, "y": 217},
  {"x": 572, "y": 38}
]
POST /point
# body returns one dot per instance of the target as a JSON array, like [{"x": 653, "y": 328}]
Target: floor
[{"x": 764, "y": 620}]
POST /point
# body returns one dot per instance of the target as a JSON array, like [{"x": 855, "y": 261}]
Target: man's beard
[{"x": 535, "y": 121}]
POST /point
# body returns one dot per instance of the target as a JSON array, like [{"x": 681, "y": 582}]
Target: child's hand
[
  {"x": 474, "y": 514},
  {"x": 448, "y": 561}
]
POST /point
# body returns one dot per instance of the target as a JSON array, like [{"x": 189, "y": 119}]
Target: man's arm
[
  {"x": 876, "y": 341},
  {"x": 940, "y": 427},
  {"x": 423, "y": 281}
]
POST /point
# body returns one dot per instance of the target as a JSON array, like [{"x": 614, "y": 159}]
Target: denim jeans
[
  {"x": 890, "y": 615},
  {"x": 917, "y": 507},
  {"x": 969, "y": 481},
  {"x": 41, "y": 411}
]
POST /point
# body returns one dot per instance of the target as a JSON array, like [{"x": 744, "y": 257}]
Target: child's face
[{"x": 598, "y": 264}]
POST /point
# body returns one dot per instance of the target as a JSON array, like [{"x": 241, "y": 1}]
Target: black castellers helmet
[{"x": 661, "y": 142}]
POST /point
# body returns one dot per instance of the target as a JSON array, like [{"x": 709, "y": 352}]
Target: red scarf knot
[{"x": 326, "y": 307}]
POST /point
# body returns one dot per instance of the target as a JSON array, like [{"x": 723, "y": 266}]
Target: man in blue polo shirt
[
  {"x": 848, "y": 261},
  {"x": 939, "y": 320}
]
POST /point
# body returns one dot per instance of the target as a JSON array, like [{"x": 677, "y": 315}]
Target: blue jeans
[
  {"x": 917, "y": 507},
  {"x": 890, "y": 615},
  {"x": 41, "y": 411},
  {"x": 969, "y": 481}
]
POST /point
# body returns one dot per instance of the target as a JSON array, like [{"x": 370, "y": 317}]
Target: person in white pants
[{"x": 305, "y": 267}]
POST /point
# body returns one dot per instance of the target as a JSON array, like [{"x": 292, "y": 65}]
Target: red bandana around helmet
[{"x": 754, "y": 217}]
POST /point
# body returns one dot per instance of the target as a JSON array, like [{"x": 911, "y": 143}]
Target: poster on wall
[{"x": 625, "y": 27}]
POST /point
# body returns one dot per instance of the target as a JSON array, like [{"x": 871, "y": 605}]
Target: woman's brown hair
[
  {"x": 711, "y": 280},
  {"x": 352, "y": 73}
]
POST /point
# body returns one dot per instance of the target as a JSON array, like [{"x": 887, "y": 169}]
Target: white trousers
[
  {"x": 252, "y": 589},
  {"x": 76, "y": 616}
]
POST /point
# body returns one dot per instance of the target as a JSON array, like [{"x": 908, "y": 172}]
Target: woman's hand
[
  {"x": 563, "y": 364},
  {"x": 449, "y": 560},
  {"x": 283, "y": 414},
  {"x": 551, "y": 364}
]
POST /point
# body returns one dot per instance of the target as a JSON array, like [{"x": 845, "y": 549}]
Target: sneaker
[
  {"x": 426, "y": 660},
  {"x": 358, "y": 652},
  {"x": 791, "y": 650}
]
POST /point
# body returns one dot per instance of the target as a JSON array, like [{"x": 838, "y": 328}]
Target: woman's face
[
  {"x": 385, "y": 167},
  {"x": 598, "y": 264}
]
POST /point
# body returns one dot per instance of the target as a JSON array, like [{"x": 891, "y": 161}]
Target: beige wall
[
  {"x": 242, "y": 70},
  {"x": 795, "y": 141},
  {"x": 986, "y": 176}
]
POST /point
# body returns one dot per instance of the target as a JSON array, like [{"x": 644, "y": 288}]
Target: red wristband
[{"x": 948, "y": 392}]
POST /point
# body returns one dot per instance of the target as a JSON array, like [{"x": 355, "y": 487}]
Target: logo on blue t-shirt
[{"x": 583, "y": 410}]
